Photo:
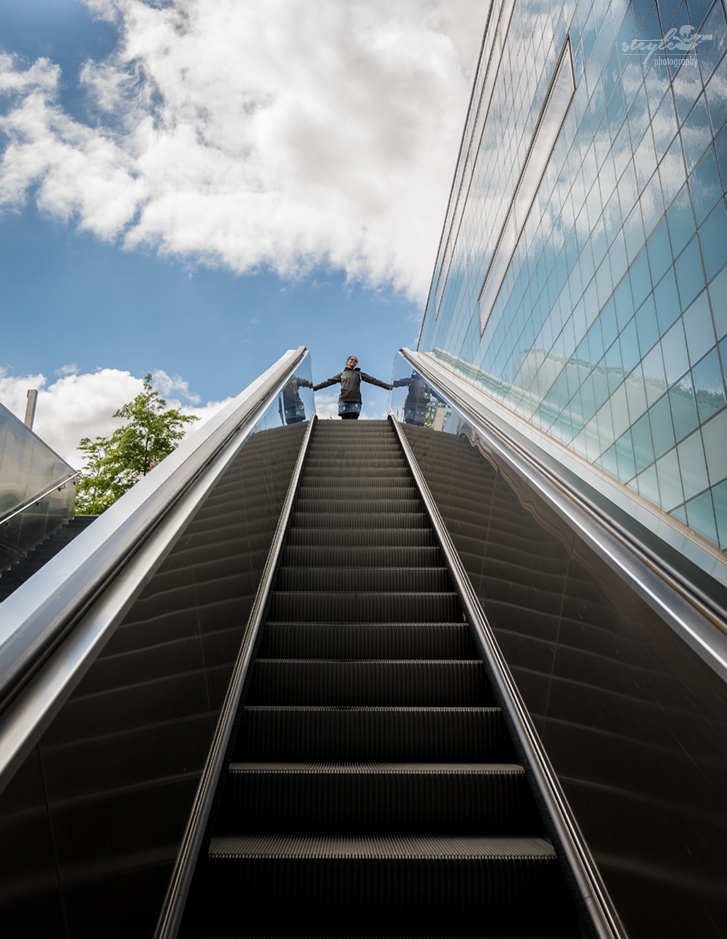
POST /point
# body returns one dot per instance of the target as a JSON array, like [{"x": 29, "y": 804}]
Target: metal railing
[
  {"x": 699, "y": 618},
  {"x": 52, "y": 629},
  {"x": 36, "y": 500}
]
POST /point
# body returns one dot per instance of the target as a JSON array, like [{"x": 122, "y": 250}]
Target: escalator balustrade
[{"x": 373, "y": 785}]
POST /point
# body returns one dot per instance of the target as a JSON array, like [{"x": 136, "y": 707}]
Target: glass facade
[
  {"x": 28, "y": 469},
  {"x": 609, "y": 328}
]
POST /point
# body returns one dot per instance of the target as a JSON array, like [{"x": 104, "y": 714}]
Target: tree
[{"x": 114, "y": 464}]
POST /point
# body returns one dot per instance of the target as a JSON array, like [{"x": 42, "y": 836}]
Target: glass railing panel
[{"x": 28, "y": 468}]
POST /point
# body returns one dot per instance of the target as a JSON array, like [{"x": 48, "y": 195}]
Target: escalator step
[
  {"x": 436, "y": 847},
  {"x": 356, "y": 505},
  {"x": 357, "y": 556},
  {"x": 498, "y": 878},
  {"x": 432, "y": 735},
  {"x": 474, "y": 798},
  {"x": 338, "y": 466},
  {"x": 363, "y": 683},
  {"x": 364, "y": 537},
  {"x": 369, "y": 474},
  {"x": 343, "y": 488},
  {"x": 358, "y": 520},
  {"x": 367, "y": 640},
  {"x": 318, "y": 607},
  {"x": 377, "y": 579},
  {"x": 341, "y": 934}
]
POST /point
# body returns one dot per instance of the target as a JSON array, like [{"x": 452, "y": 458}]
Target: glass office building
[{"x": 581, "y": 281}]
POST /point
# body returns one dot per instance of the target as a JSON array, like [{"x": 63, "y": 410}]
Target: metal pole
[{"x": 30, "y": 408}]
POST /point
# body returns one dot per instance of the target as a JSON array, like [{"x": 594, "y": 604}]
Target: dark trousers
[{"x": 351, "y": 416}]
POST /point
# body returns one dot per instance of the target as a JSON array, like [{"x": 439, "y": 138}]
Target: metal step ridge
[
  {"x": 358, "y": 505},
  {"x": 361, "y": 641},
  {"x": 357, "y": 556},
  {"x": 325, "y": 537},
  {"x": 373, "y": 767},
  {"x": 369, "y": 578},
  {"x": 346, "y": 683},
  {"x": 363, "y": 663},
  {"x": 348, "y": 520},
  {"x": 395, "y": 847},
  {"x": 417, "y": 934}
]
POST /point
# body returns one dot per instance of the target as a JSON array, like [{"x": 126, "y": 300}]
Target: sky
[{"x": 189, "y": 188}]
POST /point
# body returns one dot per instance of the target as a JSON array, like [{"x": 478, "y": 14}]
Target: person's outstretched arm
[
  {"x": 375, "y": 381},
  {"x": 329, "y": 381}
]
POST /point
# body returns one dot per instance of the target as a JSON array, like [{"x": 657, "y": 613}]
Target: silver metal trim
[
  {"x": 93, "y": 582},
  {"x": 700, "y": 626},
  {"x": 36, "y": 500},
  {"x": 596, "y": 899},
  {"x": 173, "y": 909},
  {"x": 453, "y": 223}
]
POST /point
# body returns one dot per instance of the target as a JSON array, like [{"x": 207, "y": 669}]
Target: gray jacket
[{"x": 350, "y": 379}]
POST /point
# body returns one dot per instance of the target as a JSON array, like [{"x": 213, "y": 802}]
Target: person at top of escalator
[{"x": 349, "y": 400}]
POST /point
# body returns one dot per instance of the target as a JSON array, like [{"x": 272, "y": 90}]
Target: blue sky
[{"x": 192, "y": 187}]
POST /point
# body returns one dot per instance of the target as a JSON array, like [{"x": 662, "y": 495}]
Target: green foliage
[{"x": 113, "y": 464}]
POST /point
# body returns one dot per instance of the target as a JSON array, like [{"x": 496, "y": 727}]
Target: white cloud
[
  {"x": 241, "y": 134},
  {"x": 167, "y": 385},
  {"x": 77, "y": 406},
  {"x": 326, "y": 405}
]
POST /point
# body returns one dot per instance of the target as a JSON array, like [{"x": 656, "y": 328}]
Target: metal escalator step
[
  {"x": 368, "y": 475},
  {"x": 358, "y": 504},
  {"x": 473, "y": 798},
  {"x": 324, "y": 465},
  {"x": 378, "y": 444},
  {"x": 320, "y": 607},
  {"x": 362, "y": 537},
  {"x": 367, "y": 640},
  {"x": 358, "y": 556},
  {"x": 499, "y": 878},
  {"x": 357, "y": 734},
  {"x": 421, "y": 934},
  {"x": 409, "y": 847},
  {"x": 358, "y": 520},
  {"x": 341, "y": 488},
  {"x": 369, "y": 683},
  {"x": 380, "y": 579}
]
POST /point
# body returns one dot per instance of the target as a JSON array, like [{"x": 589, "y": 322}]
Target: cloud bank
[
  {"x": 245, "y": 135},
  {"x": 76, "y": 406}
]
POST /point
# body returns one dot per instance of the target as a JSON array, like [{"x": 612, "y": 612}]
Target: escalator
[
  {"x": 259, "y": 696},
  {"x": 372, "y": 784}
]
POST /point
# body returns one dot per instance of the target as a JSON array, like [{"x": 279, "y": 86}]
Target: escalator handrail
[
  {"x": 173, "y": 908},
  {"x": 596, "y": 902},
  {"x": 697, "y": 618},
  {"x": 53, "y": 626}
]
